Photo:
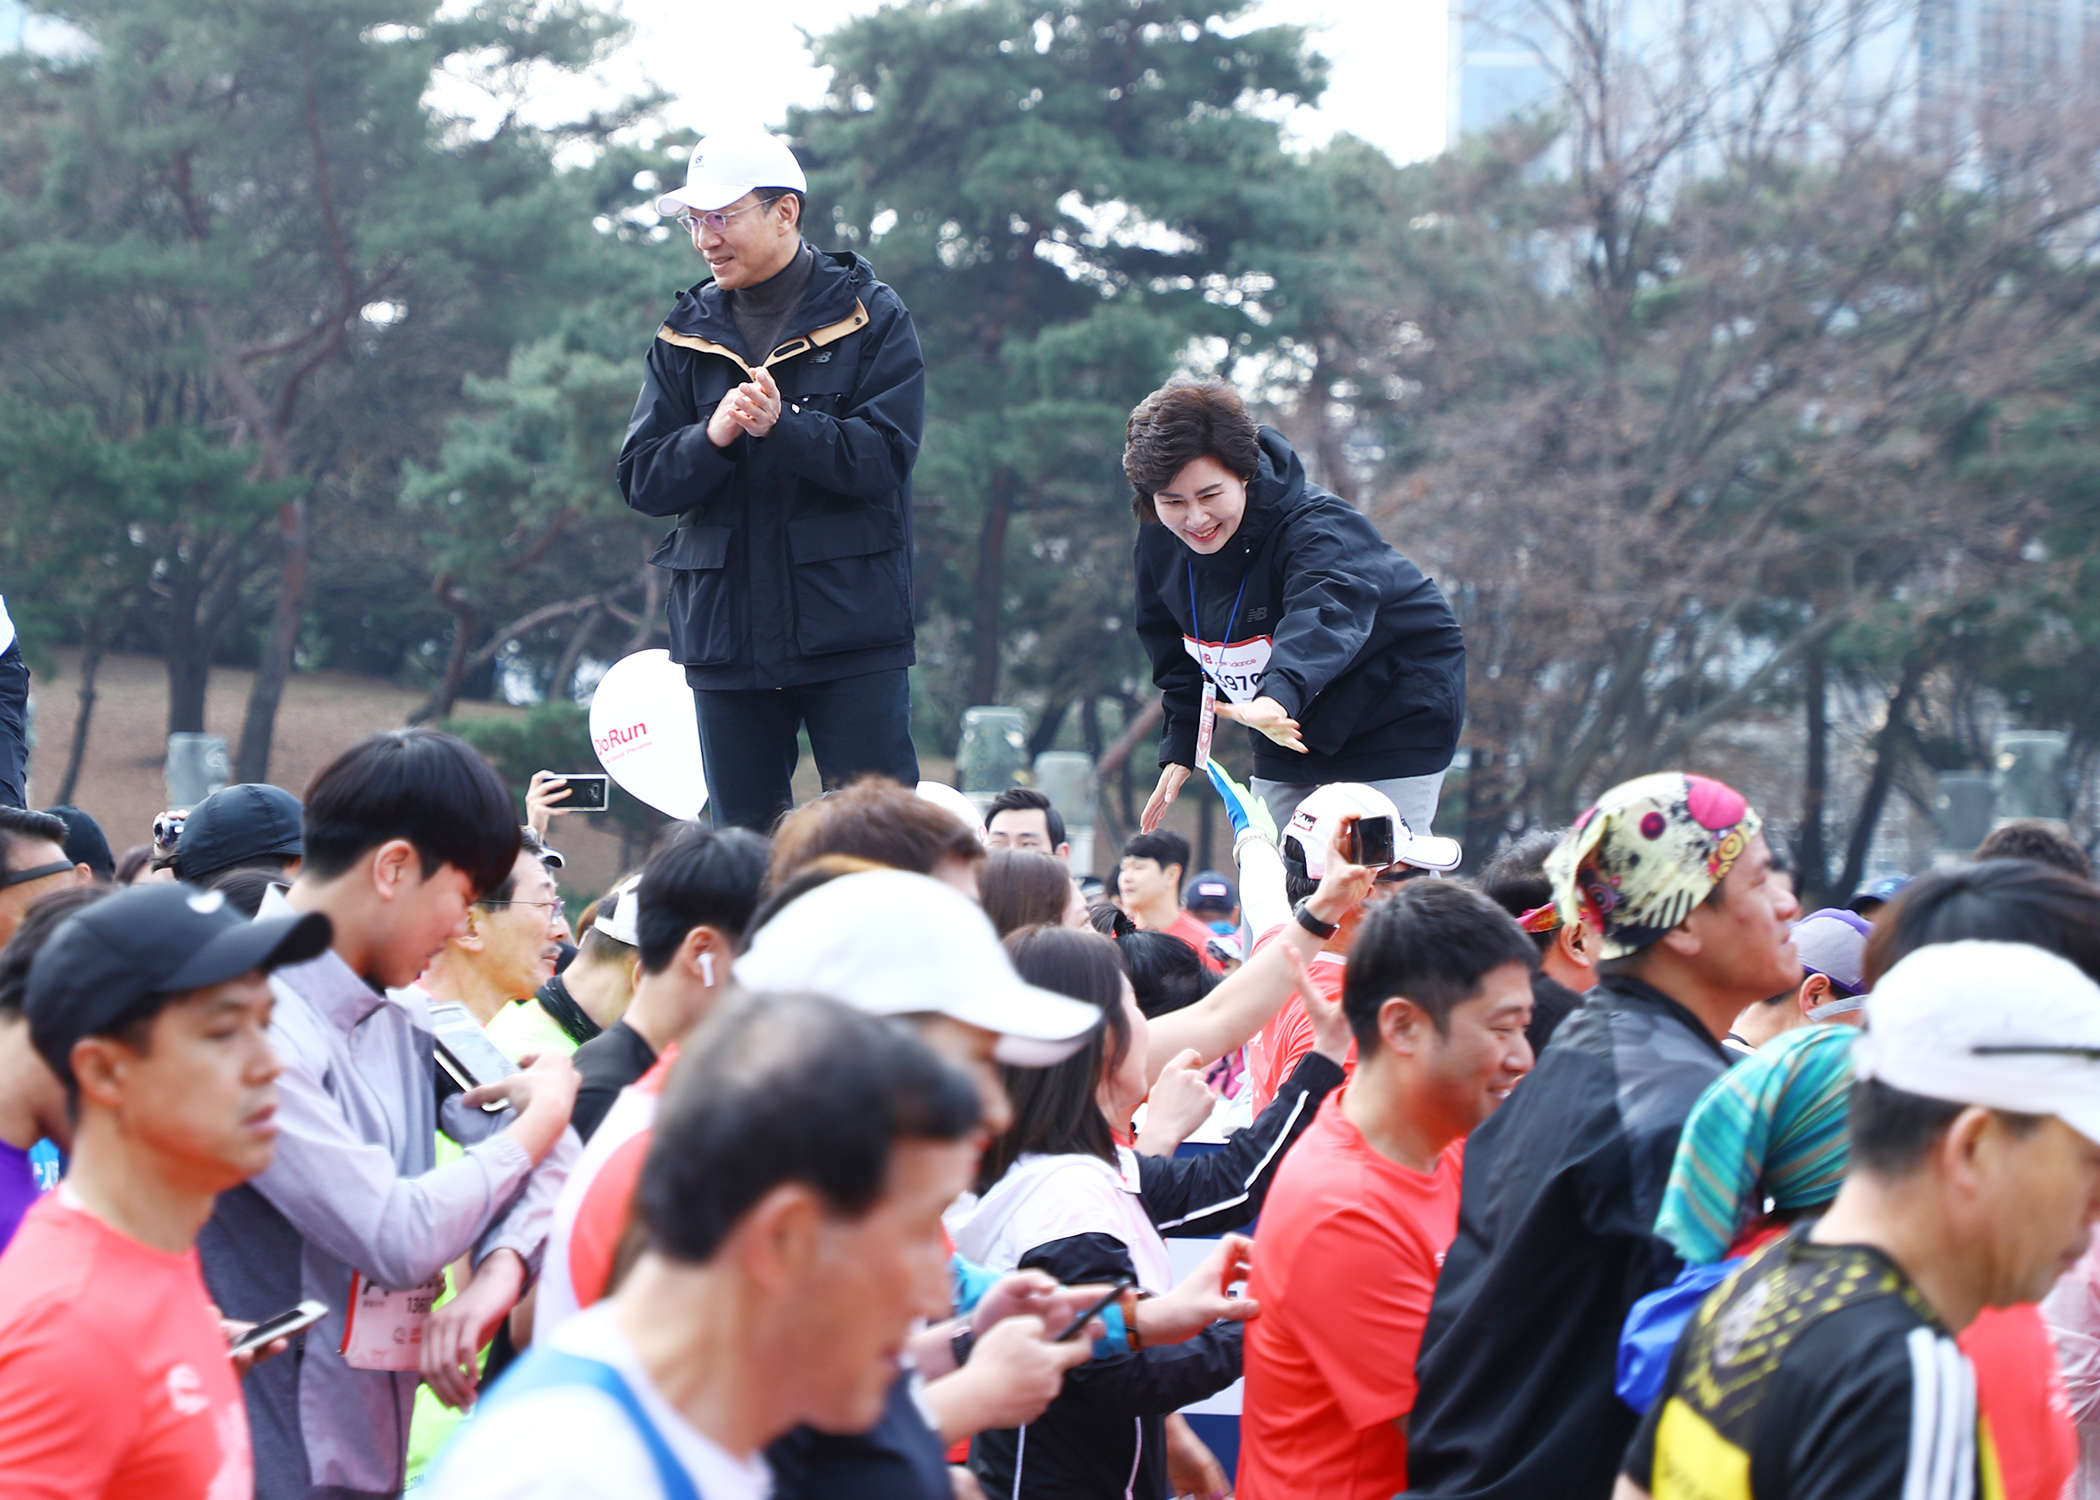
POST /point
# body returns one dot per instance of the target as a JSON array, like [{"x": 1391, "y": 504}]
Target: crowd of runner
[{"x": 844, "y": 1162}]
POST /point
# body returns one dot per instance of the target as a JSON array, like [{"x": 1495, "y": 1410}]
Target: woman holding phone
[
  {"x": 1265, "y": 599},
  {"x": 1064, "y": 1192}
]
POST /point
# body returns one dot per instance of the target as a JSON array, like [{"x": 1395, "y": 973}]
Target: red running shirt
[
  {"x": 1345, "y": 1264},
  {"x": 2020, "y": 1393},
  {"x": 1191, "y": 930},
  {"x": 1288, "y": 1035},
  {"x": 114, "y": 1380}
]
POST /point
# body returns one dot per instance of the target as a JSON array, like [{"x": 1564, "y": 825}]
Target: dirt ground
[{"x": 121, "y": 783}]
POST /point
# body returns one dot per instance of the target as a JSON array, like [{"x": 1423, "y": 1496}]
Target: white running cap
[
  {"x": 2005, "y": 1025},
  {"x": 619, "y": 923},
  {"x": 1323, "y": 809},
  {"x": 727, "y": 164},
  {"x": 890, "y": 943}
]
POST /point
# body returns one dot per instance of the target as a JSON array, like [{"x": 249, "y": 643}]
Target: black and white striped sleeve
[
  {"x": 1198, "y": 1196},
  {"x": 1890, "y": 1418}
]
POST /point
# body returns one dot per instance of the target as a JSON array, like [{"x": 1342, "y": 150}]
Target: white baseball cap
[
  {"x": 618, "y": 921},
  {"x": 1317, "y": 817},
  {"x": 890, "y": 943},
  {"x": 727, "y": 164},
  {"x": 2005, "y": 1025}
]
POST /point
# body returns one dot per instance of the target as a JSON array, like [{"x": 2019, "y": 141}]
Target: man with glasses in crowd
[{"x": 779, "y": 419}]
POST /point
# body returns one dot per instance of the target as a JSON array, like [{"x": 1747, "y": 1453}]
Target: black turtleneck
[{"x": 762, "y": 312}]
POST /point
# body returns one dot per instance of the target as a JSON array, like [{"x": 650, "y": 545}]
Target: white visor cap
[
  {"x": 889, "y": 943},
  {"x": 2005, "y": 1025},
  {"x": 726, "y": 165},
  {"x": 1317, "y": 817},
  {"x": 618, "y": 923}
]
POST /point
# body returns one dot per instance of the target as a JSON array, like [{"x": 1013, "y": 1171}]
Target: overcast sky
[{"x": 738, "y": 60}]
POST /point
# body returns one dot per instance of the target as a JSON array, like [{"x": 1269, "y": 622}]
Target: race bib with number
[
  {"x": 1235, "y": 666},
  {"x": 383, "y": 1329}
]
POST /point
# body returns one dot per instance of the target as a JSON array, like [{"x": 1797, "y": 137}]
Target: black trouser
[
  {"x": 747, "y": 738},
  {"x": 14, "y": 727}
]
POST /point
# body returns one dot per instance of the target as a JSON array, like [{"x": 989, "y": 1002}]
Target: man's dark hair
[
  {"x": 1057, "y": 1110},
  {"x": 20, "y": 825},
  {"x": 1178, "y": 424},
  {"x": 1516, "y": 880},
  {"x": 789, "y": 1088},
  {"x": 1023, "y": 888},
  {"x": 702, "y": 877},
  {"x": 1893, "y": 1131},
  {"x": 528, "y": 843},
  {"x": 85, "y": 843},
  {"x": 1162, "y": 846},
  {"x": 1027, "y": 799},
  {"x": 1165, "y": 973},
  {"x": 246, "y": 885},
  {"x": 422, "y": 785},
  {"x": 594, "y": 947},
  {"x": 1431, "y": 942},
  {"x": 38, "y": 923},
  {"x": 768, "y": 196},
  {"x": 876, "y": 819},
  {"x": 2040, "y": 841},
  {"x": 2002, "y": 901}
]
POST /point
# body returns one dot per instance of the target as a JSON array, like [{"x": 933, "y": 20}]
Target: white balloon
[
  {"x": 940, "y": 794},
  {"x": 647, "y": 733}
]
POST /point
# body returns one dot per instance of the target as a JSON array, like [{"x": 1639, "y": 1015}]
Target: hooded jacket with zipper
[
  {"x": 1085, "y": 1220},
  {"x": 1355, "y": 641},
  {"x": 791, "y": 560}
]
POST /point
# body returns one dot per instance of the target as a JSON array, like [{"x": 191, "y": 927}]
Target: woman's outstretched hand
[
  {"x": 1171, "y": 780},
  {"x": 1265, "y": 716}
]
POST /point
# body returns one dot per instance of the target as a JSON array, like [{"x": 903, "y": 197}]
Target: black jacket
[
  {"x": 1104, "y": 1434},
  {"x": 1556, "y": 1242},
  {"x": 1367, "y": 655},
  {"x": 791, "y": 561}
]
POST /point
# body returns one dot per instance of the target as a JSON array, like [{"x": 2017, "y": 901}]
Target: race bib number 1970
[{"x": 1235, "y": 666}]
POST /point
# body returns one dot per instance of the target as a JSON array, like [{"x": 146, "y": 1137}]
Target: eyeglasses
[
  {"x": 717, "y": 220},
  {"x": 547, "y": 906}
]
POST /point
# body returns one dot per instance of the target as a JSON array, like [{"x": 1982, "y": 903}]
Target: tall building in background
[
  {"x": 1496, "y": 69},
  {"x": 1967, "y": 60}
]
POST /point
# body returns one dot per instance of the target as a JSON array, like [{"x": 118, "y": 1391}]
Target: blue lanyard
[{"x": 1195, "y": 620}]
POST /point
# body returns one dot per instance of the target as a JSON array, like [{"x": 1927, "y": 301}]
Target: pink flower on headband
[{"x": 1713, "y": 805}]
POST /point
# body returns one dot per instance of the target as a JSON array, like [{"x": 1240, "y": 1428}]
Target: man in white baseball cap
[
  {"x": 1974, "y": 1181},
  {"x": 778, "y": 421}
]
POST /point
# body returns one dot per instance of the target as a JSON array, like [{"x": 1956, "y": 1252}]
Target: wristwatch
[
  {"x": 1127, "y": 1305},
  {"x": 1312, "y": 924},
  {"x": 960, "y": 1343}
]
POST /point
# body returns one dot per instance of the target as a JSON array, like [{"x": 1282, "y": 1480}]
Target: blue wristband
[{"x": 1117, "y": 1339}]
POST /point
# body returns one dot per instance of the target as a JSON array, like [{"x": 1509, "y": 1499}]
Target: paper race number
[
  {"x": 1235, "y": 666},
  {"x": 384, "y": 1329}
]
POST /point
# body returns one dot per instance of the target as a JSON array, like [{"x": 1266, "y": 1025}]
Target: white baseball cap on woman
[{"x": 729, "y": 163}]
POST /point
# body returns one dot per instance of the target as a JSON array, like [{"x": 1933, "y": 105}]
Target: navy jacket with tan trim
[{"x": 792, "y": 558}]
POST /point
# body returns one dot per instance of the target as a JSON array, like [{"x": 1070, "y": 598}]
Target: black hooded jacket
[
  {"x": 1364, "y": 651},
  {"x": 791, "y": 561}
]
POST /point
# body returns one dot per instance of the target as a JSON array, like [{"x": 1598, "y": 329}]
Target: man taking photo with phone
[
  {"x": 778, "y": 421},
  {"x": 152, "y": 1006}
]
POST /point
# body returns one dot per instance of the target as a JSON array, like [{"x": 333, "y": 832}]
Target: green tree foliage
[{"x": 245, "y": 220}]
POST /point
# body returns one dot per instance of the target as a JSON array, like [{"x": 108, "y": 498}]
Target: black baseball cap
[
  {"x": 156, "y": 939},
  {"x": 1209, "y": 891},
  {"x": 85, "y": 843},
  {"x": 1877, "y": 893},
  {"x": 238, "y": 825}
]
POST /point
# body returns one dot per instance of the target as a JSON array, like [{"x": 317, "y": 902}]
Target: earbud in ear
[{"x": 707, "y": 969}]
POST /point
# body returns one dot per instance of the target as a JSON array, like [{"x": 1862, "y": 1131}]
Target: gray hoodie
[{"x": 355, "y": 1186}]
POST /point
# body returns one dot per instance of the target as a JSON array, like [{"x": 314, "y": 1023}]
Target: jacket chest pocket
[
  {"x": 851, "y": 588},
  {"x": 702, "y": 605},
  {"x": 821, "y": 380}
]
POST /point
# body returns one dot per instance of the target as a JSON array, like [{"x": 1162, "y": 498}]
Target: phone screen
[
  {"x": 587, "y": 792},
  {"x": 464, "y": 1050},
  {"x": 1374, "y": 841},
  {"x": 283, "y": 1325},
  {"x": 1122, "y": 1285}
]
